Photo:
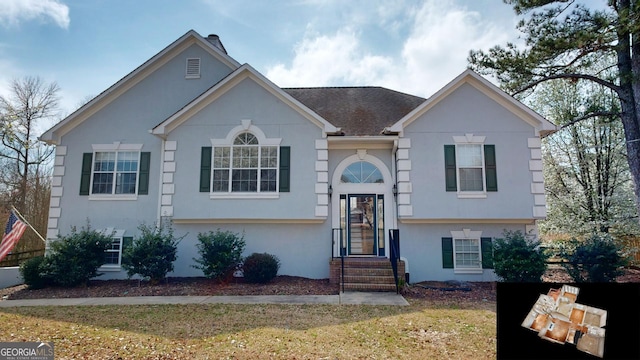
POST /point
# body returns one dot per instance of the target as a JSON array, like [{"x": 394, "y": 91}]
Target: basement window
[{"x": 193, "y": 68}]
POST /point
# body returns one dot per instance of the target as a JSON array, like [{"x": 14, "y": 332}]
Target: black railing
[
  {"x": 338, "y": 238},
  {"x": 394, "y": 254}
]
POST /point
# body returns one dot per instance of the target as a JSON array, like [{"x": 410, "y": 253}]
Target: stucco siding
[
  {"x": 246, "y": 101},
  {"x": 127, "y": 120},
  {"x": 421, "y": 245},
  {"x": 303, "y": 249},
  {"x": 468, "y": 111}
]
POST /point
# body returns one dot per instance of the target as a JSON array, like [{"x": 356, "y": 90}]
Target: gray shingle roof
[{"x": 359, "y": 111}]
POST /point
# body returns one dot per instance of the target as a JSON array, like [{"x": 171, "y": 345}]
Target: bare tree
[
  {"x": 25, "y": 166},
  {"x": 30, "y": 102}
]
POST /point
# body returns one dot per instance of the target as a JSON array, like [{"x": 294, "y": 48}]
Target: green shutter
[
  {"x": 447, "y": 253},
  {"x": 486, "y": 247},
  {"x": 490, "y": 167},
  {"x": 450, "y": 167},
  {"x": 205, "y": 169},
  {"x": 143, "y": 180},
  {"x": 127, "y": 242},
  {"x": 85, "y": 177},
  {"x": 285, "y": 168}
]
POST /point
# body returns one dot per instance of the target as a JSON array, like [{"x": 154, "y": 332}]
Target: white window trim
[
  {"x": 263, "y": 141},
  {"x": 186, "y": 71},
  {"x": 467, "y": 234},
  {"x": 470, "y": 139},
  {"x": 114, "y": 234},
  {"x": 114, "y": 147}
]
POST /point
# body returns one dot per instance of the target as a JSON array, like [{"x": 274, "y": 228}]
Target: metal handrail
[
  {"x": 394, "y": 254},
  {"x": 343, "y": 251}
]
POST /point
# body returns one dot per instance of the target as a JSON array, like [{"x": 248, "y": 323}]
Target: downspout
[{"x": 395, "y": 182}]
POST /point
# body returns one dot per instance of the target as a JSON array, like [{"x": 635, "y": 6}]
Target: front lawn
[{"x": 425, "y": 329}]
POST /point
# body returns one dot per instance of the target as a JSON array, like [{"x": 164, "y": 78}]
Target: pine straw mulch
[{"x": 281, "y": 285}]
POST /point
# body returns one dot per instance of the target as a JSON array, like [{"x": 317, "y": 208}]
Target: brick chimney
[{"x": 215, "y": 40}]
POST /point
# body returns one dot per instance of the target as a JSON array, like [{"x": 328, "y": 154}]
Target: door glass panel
[
  {"x": 343, "y": 221},
  {"x": 362, "y": 225},
  {"x": 381, "y": 224}
]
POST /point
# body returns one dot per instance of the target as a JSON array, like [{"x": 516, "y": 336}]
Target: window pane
[
  {"x": 111, "y": 258},
  {"x": 362, "y": 172},
  {"x": 244, "y": 181},
  {"x": 471, "y": 180},
  {"x": 102, "y": 183},
  {"x": 221, "y": 157},
  {"x": 269, "y": 157},
  {"x": 126, "y": 183},
  {"x": 268, "y": 180},
  {"x": 127, "y": 161},
  {"x": 245, "y": 139},
  {"x": 245, "y": 157},
  {"x": 220, "y": 180},
  {"x": 104, "y": 161},
  {"x": 469, "y": 155}
]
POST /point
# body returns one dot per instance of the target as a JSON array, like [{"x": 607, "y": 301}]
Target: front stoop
[{"x": 366, "y": 274}]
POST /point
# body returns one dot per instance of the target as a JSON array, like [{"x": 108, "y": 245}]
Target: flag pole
[{"x": 13, "y": 208}]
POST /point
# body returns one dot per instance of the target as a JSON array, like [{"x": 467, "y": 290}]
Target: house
[{"x": 196, "y": 138}]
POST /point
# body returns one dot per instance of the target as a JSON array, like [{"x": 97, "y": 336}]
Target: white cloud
[
  {"x": 12, "y": 12},
  {"x": 322, "y": 60},
  {"x": 433, "y": 53}
]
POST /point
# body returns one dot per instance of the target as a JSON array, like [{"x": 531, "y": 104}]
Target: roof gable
[
  {"x": 213, "y": 93},
  {"x": 54, "y": 134},
  {"x": 543, "y": 126}
]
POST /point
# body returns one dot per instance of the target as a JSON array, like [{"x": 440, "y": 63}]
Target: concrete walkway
[{"x": 345, "y": 298}]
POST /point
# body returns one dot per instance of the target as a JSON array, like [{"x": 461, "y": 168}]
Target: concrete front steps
[{"x": 366, "y": 274}]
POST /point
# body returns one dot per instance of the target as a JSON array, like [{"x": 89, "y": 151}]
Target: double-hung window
[
  {"x": 470, "y": 166},
  {"x": 467, "y": 251},
  {"x": 115, "y": 171},
  {"x": 113, "y": 254}
]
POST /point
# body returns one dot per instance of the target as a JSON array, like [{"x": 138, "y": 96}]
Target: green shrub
[
  {"x": 596, "y": 259},
  {"x": 220, "y": 253},
  {"x": 152, "y": 254},
  {"x": 32, "y": 273},
  {"x": 260, "y": 268},
  {"x": 517, "y": 259},
  {"x": 75, "y": 258}
]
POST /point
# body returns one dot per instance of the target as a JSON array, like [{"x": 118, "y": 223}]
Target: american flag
[{"x": 12, "y": 233}]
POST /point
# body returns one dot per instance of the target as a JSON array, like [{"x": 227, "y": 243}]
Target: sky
[{"x": 412, "y": 46}]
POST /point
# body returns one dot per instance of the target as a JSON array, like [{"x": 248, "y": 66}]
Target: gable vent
[{"x": 193, "y": 68}]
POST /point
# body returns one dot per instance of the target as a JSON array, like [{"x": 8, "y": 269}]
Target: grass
[{"x": 217, "y": 331}]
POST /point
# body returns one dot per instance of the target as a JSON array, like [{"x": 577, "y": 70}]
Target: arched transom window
[
  {"x": 362, "y": 172},
  {"x": 245, "y": 166}
]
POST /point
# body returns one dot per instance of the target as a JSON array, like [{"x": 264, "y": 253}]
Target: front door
[{"x": 363, "y": 219}]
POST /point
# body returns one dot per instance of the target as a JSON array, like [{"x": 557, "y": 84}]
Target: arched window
[
  {"x": 362, "y": 172},
  {"x": 245, "y": 166}
]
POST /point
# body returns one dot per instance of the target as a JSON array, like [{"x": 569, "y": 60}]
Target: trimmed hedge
[{"x": 260, "y": 268}]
